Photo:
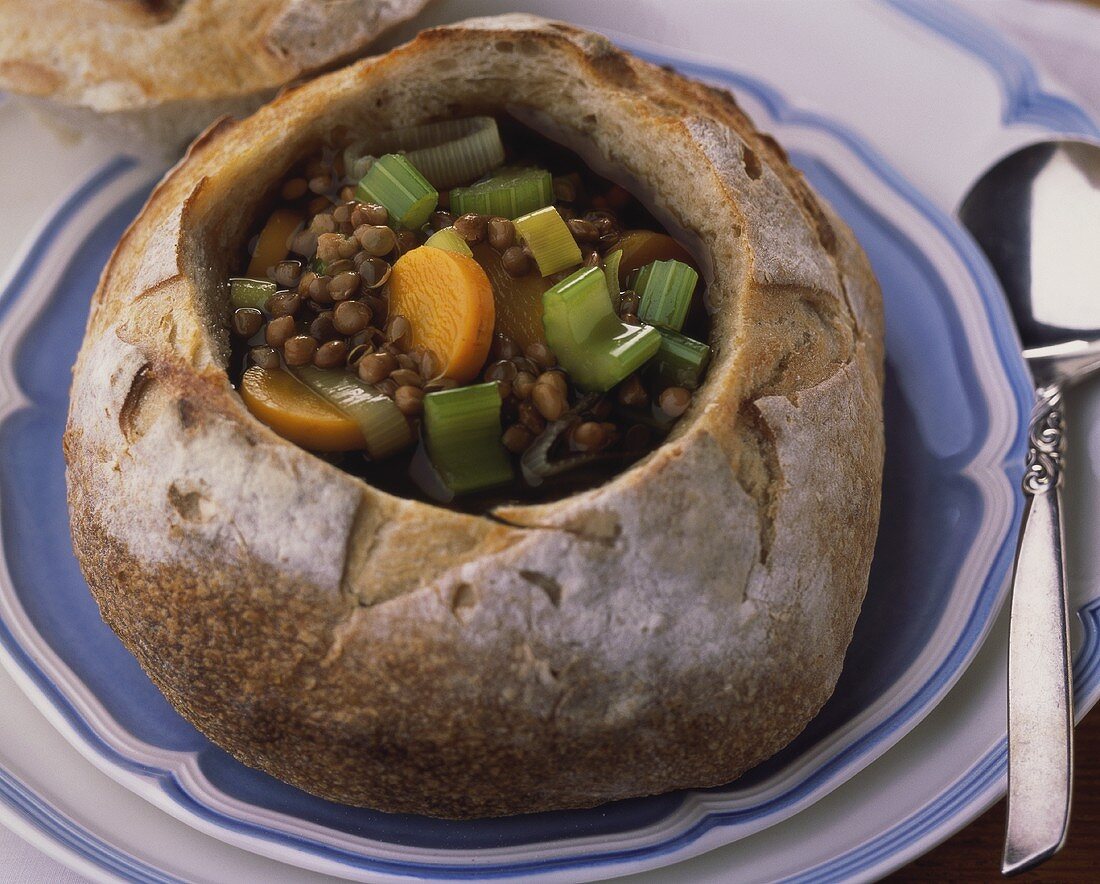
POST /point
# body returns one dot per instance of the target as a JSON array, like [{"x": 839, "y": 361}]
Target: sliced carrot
[
  {"x": 518, "y": 299},
  {"x": 274, "y": 242},
  {"x": 641, "y": 247},
  {"x": 448, "y": 301},
  {"x": 296, "y": 413}
]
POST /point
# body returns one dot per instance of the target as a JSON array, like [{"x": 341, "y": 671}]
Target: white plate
[{"x": 995, "y": 139}]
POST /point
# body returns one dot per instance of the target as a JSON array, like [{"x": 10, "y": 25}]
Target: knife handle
[{"x": 1040, "y": 696}]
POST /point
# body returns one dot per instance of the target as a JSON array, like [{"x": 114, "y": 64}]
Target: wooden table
[{"x": 975, "y": 853}]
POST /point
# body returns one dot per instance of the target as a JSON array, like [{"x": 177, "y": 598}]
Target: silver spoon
[{"x": 1036, "y": 214}]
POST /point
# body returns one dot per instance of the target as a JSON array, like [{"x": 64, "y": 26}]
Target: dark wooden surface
[{"x": 974, "y": 854}]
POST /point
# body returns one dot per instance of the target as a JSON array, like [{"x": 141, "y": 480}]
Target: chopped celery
[
  {"x": 591, "y": 342},
  {"x": 681, "y": 360},
  {"x": 463, "y": 437},
  {"x": 449, "y": 240},
  {"x": 508, "y": 194},
  {"x": 392, "y": 181},
  {"x": 453, "y": 151},
  {"x": 611, "y": 273},
  {"x": 383, "y": 425},
  {"x": 549, "y": 239},
  {"x": 250, "y": 292},
  {"x": 665, "y": 288}
]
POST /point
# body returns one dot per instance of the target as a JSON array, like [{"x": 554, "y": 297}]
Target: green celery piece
[
  {"x": 392, "y": 181},
  {"x": 665, "y": 288},
  {"x": 593, "y": 345},
  {"x": 548, "y": 237},
  {"x": 681, "y": 361},
  {"x": 611, "y": 273},
  {"x": 463, "y": 437},
  {"x": 509, "y": 194},
  {"x": 245, "y": 292}
]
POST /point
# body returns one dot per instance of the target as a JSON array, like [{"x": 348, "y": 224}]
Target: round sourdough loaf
[
  {"x": 150, "y": 74},
  {"x": 667, "y": 629}
]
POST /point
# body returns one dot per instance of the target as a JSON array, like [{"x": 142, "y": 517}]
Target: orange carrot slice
[
  {"x": 296, "y": 413},
  {"x": 448, "y": 301},
  {"x": 274, "y": 242},
  {"x": 518, "y": 299},
  {"x": 641, "y": 247}
]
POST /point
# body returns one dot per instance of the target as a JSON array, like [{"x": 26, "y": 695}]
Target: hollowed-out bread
[
  {"x": 667, "y": 629},
  {"x": 150, "y": 74}
]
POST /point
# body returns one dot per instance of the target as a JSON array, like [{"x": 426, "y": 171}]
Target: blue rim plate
[{"x": 956, "y": 396}]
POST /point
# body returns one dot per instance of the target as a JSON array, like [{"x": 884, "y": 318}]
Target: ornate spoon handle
[{"x": 1040, "y": 698}]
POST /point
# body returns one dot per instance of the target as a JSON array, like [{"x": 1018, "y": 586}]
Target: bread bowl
[
  {"x": 666, "y": 629},
  {"x": 154, "y": 73}
]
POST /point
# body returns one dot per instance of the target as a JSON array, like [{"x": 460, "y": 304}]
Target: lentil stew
[{"x": 520, "y": 350}]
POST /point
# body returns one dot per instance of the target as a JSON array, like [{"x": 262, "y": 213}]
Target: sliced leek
[
  {"x": 549, "y": 239},
  {"x": 449, "y": 240},
  {"x": 393, "y": 182},
  {"x": 597, "y": 348},
  {"x": 463, "y": 437},
  {"x": 384, "y": 427},
  {"x": 665, "y": 289},
  {"x": 250, "y": 292},
  {"x": 509, "y": 194}
]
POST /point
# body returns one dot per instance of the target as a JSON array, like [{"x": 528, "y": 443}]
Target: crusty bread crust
[
  {"x": 668, "y": 629},
  {"x": 156, "y": 72}
]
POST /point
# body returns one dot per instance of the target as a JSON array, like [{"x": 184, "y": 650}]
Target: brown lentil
[
  {"x": 376, "y": 367},
  {"x": 540, "y": 354},
  {"x": 344, "y": 285},
  {"x": 440, "y": 383},
  {"x": 604, "y": 222},
  {"x": 265, "y": 357},
  {"x": 472, "y": 227},
  {"x": 592, "y": 259},
  {"x": 320, "y": 184},
  {"x": 555, "y": 379},
  {"x": 374, "y": 272},
  {"x": 299, "y": 350},
  {"x": 632, "y": 392},
  {"x": 515, "y": 261},
  {"x": 602, "y": 409},
  {"x": 549, "y": 400},
  {"x": 674, "y": 401},
  {"x": 328, "y": 246},
  {"x": 407, "y": 240},
  {"x": 317, "y": 205},
  {"x": 342, "y": 213},
  {"x": 331, "y": 354},
  {"x": 305, "y": 282},
  {"x": 522, "y": 363},
  {"x": 304, "y": 243},
  {"x": 398, "y": 330},
  {"x": 294, "y": 189},
  {"x": 374, "y": 213},
  {"x": 409, "y": 400},
  {"x": 523, "y": 384},
  {"x": 583, "y": 231},
  {"x": 322, "y": 223},
  {"x": 441, "y": 220},
  {"x": 287, "y": 274},
  {"x": 630, "y": 302},
  {"x": 588, "y": 436},
  {"x": 610, "y": 240},
  {"x": 503, "y": 347},
  {"x": 322, "y": 327},
  {"x": 387, "y": 387},
  {"x": 630, "y": 318},
  {"x": 376, "y": 240},
  {"x": 503, "y": 370},
  {"x": 529, "y": 416},
  {"x": 351, "y": 317},
  {"x": 247, "y": 321},
  {"x": 502, "y": 233},
  {"x": 406, "y": 377},
  {"x": 335, "y": 268},
  {"x": 517, "y": 438},
  {"x": 637, "y": 438},
  {"x": 283, "y": 304},
  {"x": 347, "y": 193},
  {"x": 279, "y": 330}
]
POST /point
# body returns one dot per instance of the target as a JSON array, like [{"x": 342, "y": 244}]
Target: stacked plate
[{"x": 912, "y": 744}]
